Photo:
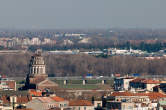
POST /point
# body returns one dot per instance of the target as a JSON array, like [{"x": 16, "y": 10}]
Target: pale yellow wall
[
  {"x": 149, "y": 87},
  {"x": 82, "y": 107}
]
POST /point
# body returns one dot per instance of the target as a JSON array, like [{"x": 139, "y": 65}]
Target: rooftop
[
  {"x": 151, "y": 95},
  {"x": 80, "y": 103},
  {"x": 146, "y": 81},
  {"x": 35, "y": 93},
  {"x": 45, "y": 99},
  {"x": 58, "y": 99}
]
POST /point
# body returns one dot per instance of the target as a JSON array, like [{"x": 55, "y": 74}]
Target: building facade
[
  {"x": 37, "y": 77},
  {"x": 122, "y": 83}
]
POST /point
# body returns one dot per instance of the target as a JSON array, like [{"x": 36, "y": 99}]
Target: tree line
[{"x": 79, "y": 65}]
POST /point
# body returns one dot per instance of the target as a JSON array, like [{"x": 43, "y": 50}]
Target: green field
[
  {"x": 93, "y": 82},
  {"x": 90, "y": 84},
  {"x": 79, "y": 86}
]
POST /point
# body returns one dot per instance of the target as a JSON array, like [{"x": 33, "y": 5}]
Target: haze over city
[
  {"x": 69, "y": 14},
  {"x": 82, "y": 55}
]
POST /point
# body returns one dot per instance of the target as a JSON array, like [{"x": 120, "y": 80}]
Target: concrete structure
[
  {"x": 83, "y": 82},
  {"x": 140, "y": 84},
  {"x": 130, "y": 106},
  {"x": 120, "y": 106},
  {"x": 65, "y": 82},
  {"x": 122, "y": 83},
  {"x": 103, "y": 82},
  {"x": 134, "y": 101}
]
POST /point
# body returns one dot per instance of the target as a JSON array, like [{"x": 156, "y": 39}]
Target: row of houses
[
  {"x": 135, "y": 84},
  {"x": 134, "y": 93},
  {"x": 35, "y": 100},
  {"x": 137, "y": 101},
  {"x": 7, "y": 84},
  {"x": 15, "y": 41}
]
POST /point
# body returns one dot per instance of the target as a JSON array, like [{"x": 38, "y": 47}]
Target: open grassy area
[
  {"x": 74, "y": 82},
  {"x": 60, "y": 82},
  {"x": 79, "y": 86},
  {"x": 93, "y": 81}
]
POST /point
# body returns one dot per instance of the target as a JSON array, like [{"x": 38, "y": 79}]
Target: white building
[{"x": 122, "y": 83}]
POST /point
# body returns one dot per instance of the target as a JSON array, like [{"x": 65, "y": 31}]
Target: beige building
[
  {"x": 41, "y": 103},
  {"x": 60, "y": 102},
  {"x": 45, "y": 103}
]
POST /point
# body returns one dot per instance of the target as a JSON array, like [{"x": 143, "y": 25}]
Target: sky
[{"x": 82, "y": 14}]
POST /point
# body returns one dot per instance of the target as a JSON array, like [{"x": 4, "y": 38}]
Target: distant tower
[
  {"x": 37, "y": 70},
  {"x": 37, "y": 65}
]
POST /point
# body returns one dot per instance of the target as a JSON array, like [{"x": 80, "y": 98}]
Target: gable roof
[
  {"x": 12, "y": 93},
  {"x": 151, "y": 95},
  {"x": 19, "y": 99},
  {"x": 35, "y": 93},
  {"x": 58, "y": 99},
  {"x": 47, "y": 82},
  {"x": 45, "y": 99},
  {"x": 80, "y": 103},
  {"x": 146, "y": 81},
  {"x": 23, "y": 99}
]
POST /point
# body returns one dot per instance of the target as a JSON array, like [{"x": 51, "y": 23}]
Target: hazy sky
[{"x": 34, "y": 14}]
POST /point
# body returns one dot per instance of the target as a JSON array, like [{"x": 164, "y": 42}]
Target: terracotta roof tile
[
  {"x": 150, "y": 81},
  {"x": 45, "y": 99},
  {"x": 147, "y": 81},
  {"x": 151, "y": 95},
  {"x": 11, "y": 84},
  {"x": 23, "y": 99},
  {"x": 80, "y": 103},
  {"x": 5, "y": 100},
  {"x": 58, "y": 99},
  {"x": 35, "y": 93},
  {"x": 19, "y": 99}
]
